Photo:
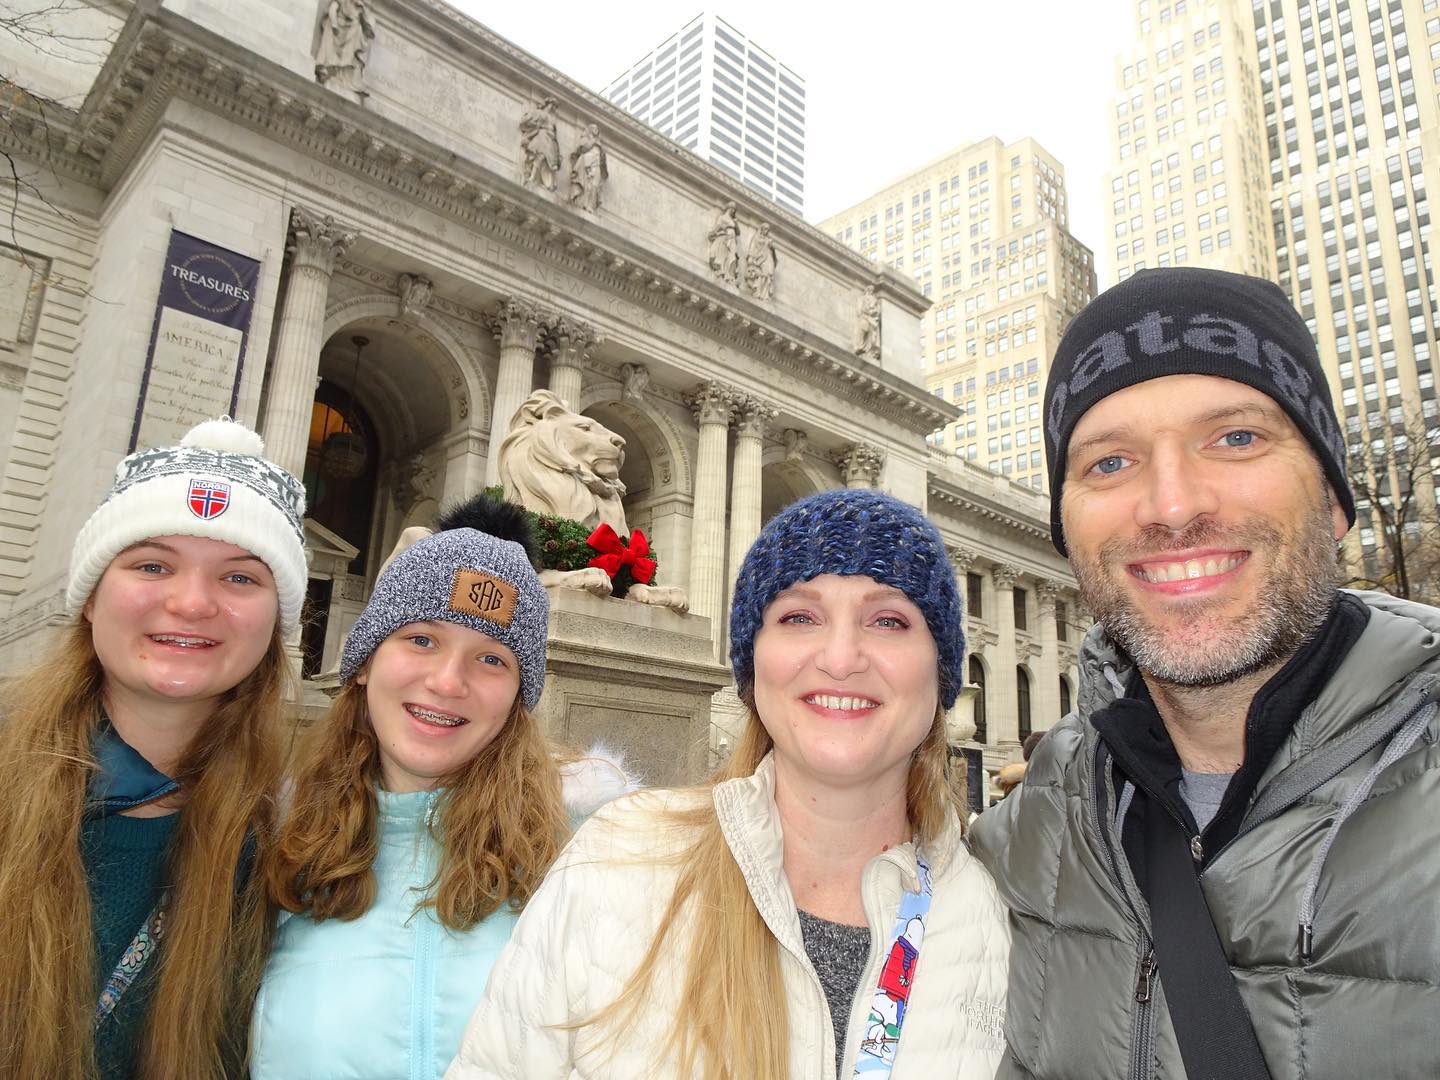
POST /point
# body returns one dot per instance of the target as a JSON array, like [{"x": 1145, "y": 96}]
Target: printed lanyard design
[
  {"x": 897, "y": 975},
  {"x": 132, "y": 962}
]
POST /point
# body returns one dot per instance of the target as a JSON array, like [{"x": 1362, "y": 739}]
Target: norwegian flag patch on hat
[{"x": 208, "y": 499}]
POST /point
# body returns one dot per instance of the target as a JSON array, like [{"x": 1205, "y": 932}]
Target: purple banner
[{"x": 197, "y": 343}]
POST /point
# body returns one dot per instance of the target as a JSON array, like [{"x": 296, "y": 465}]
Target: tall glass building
[{"x": 716, "y": 92}]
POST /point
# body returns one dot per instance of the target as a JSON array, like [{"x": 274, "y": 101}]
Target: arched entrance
[{"x": 390, "y": 438}]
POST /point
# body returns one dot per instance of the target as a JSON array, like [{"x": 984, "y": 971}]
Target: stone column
[
  {"x": 962, "y": 716},
  {"x": 314, "y": 244},
  {"x": 713, "y": 405},
  {"x": 961, "y": 559},
  {"x": 1003, "y": 717},
  {"x": 1045, "y": 698},
  {"x": 751, "y": 416},
  {"x": 517, "y": 325},
  {"x": 570, "y": 343},
  {"x": 860, "y": 465}
]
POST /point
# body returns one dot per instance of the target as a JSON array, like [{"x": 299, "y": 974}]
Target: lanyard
[
  {"x": 142, "y": 946},
  {"x": 897, "y": 975}
]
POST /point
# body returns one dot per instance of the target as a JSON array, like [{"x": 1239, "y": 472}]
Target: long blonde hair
[
  {"x": 500, "y": 819},
  {"x": 209, "y": 964},
  {"x": 730, "y": 1017}
]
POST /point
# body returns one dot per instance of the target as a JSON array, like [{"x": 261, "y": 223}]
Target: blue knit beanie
[{"x": 851, "y": 532}]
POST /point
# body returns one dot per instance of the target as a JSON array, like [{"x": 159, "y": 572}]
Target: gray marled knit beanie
[{"x": 466, "y": 577}]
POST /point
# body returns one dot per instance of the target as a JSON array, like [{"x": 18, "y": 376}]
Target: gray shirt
[
  {"x": 839, "y": 954},
  {"x": 1202, "y": 792}
]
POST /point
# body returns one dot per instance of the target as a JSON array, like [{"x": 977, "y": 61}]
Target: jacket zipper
[
  {"x": 422, "y": 987},
  {"x": 1142, "y": 1015}
]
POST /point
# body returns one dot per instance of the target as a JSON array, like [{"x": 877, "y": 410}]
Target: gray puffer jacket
[{"x": 1340, "y": 844}]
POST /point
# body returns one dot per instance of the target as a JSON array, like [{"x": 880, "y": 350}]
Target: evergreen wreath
[{"x": 564, "y": 544}]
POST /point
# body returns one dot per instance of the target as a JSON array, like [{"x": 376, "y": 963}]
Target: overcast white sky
[{"x": 889, "y": 86}]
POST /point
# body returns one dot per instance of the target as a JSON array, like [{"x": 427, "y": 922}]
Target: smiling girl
[
  {"x": 143, "y": 758},
  {"x": 425, "y": 814}
]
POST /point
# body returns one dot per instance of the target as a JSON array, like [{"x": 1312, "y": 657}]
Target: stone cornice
[
  {"x": 162, "y": 56},
  {"x": 947, "y": 491}
]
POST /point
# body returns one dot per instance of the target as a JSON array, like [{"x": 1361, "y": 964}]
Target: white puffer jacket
[{"x": 588, "y": 927}]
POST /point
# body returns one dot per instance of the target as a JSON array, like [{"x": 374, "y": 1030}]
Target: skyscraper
[
  {"x": 1299, "y": 141},
  {"x": 984, "y": 230},
  {"x": 716, "y": 92}
]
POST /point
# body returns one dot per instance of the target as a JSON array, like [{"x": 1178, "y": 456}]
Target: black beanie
[{"x": 1188, "y": 321}]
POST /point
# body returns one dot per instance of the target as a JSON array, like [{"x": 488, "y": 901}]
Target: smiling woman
[
  {"x": 810, "y": 912},
  {"x": 135, "y": 929}
]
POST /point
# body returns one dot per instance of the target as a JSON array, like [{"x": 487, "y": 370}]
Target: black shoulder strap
[{"x": 1217, "y": 1040}]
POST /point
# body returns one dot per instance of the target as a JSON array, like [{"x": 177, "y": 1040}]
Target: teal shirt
[
  {"x": 125, "y": 865},
  {"x": 384, "y": 996}
]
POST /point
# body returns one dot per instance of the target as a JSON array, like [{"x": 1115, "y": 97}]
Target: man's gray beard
[{"x": 1288, "y": 605}]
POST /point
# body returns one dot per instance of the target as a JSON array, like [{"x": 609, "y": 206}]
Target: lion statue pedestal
[
  {"x": 557, "y": 461},
  {"x": 635, "y": 676}
]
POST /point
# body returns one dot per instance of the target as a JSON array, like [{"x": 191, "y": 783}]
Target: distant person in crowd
[
  {"x": 1027, "y": 748},
  {"x": 1225, "y": 863},
  {"x": 810, "y": 910},
  {"x": 426, "y": 811},
  {"x": 142, "y": 760}
]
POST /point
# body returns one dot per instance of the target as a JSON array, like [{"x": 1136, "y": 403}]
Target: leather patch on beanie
[{"x": 483, "y": 596}]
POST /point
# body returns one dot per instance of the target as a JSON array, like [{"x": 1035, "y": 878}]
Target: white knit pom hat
[{"x": 216, "y": 484}]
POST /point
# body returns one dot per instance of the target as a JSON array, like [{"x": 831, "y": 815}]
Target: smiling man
[{"x": 1225, "y": 863}]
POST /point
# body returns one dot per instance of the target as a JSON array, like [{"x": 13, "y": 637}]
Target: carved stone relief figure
[
  {"x": 724, "y": 251},
  {"x": 588, "y": 170},
  {"x": 415, "y": 293},
  {"x": 796, "y": 443},
  {"x": 867, "y": 325},
  {"x": 557, "y": 461},
  {"x": 415, "y": 478},
  {"x": 760, "y": 261},
  {"x": 346, "y": 33},
  {"x": 540, "y": 145},
  {"x": 637, "y": 379}
]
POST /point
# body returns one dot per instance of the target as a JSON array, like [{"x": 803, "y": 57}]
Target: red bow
[{"x": 614, "y": 554}]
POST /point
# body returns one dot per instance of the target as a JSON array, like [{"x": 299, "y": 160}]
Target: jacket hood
[{"x": 592, "y": 781}]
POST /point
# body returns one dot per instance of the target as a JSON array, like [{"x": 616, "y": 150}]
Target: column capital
[
  {"x": 571, "y": 336},
  {"x": 861, "y": 461},
  {"x": 751, "y": 416},
  {"x": 1005, "y": 576},
  {"x": 1046, "y": 593},
  {"x": 961, "y": 557},
  {"x": 518, "y": 322},
  {"x": 569, "y": 341},
  {"x": 316, "y": 241},
  {"x": 712, "y": 403}
]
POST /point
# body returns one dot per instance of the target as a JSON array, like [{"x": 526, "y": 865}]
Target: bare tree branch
[{"x": 1393, "y": 475}]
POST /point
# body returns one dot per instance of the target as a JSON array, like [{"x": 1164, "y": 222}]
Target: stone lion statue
[{"x": 556, "y": 461}]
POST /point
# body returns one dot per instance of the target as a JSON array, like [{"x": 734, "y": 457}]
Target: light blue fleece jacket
[{"x": 385, "y": 995}]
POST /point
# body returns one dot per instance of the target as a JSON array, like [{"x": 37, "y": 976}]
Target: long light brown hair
[
  {"x": 209, "y": 963},
  {"x": 500, "y": 820},
  {"x": 731, "y": 1016}
]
